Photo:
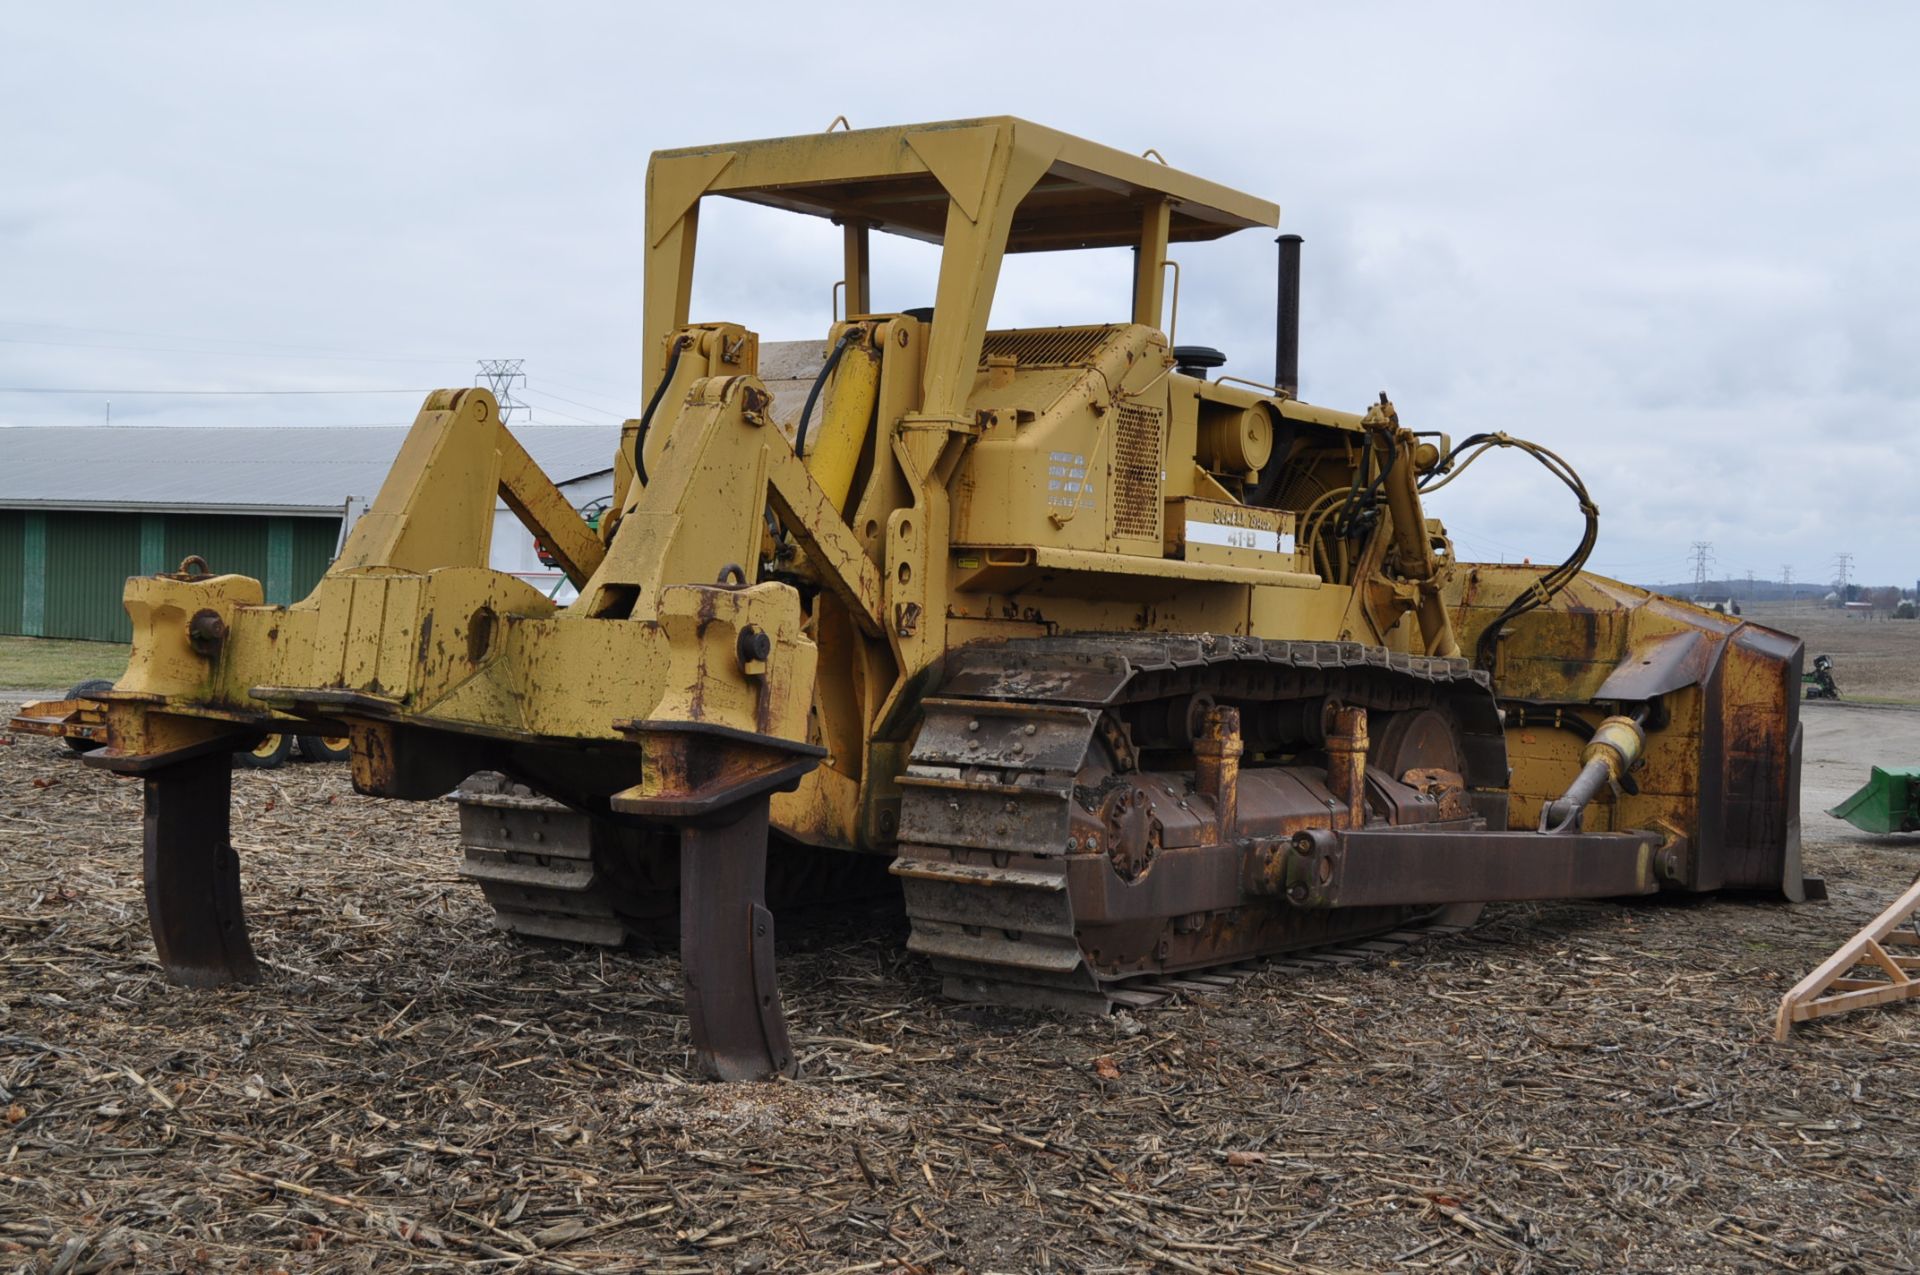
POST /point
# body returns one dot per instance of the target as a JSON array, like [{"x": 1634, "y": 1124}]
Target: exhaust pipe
[{"x": 1286, "y": 341}]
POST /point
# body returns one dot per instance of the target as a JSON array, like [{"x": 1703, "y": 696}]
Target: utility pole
[
  {"x": 500, "y": 375},
  {"x": 1702, "y": 556}
]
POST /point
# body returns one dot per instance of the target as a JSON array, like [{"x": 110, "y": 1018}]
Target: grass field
[{"x": 44, "y": 663}]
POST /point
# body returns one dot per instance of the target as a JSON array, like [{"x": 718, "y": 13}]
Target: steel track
[
  {"x": 995, "y": 891},
  {"x": 550, "y": 872}
]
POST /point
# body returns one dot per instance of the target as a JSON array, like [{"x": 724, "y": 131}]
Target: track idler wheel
[{"x": 192, "y": 876}]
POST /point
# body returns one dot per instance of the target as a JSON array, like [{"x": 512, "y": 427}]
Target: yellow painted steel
[
  {"x": 846, "y": 420},
  {"x": 961, "y": 484}
]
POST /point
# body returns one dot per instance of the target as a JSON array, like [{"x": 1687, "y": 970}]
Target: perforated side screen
[{"x": 1138, "y": 438}]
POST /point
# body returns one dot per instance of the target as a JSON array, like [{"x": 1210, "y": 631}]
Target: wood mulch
[{"x": 1571, "y": 1087}]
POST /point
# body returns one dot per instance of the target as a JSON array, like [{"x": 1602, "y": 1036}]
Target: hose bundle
[{"x": 1551, "y": 582}]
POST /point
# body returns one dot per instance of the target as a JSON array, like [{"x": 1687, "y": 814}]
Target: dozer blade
[
  {"x": 1889, "y": 802},
  {"x": 192, "y": 875}
]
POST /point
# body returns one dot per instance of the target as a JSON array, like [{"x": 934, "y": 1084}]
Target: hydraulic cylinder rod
[{"x": 1615, "y": 749}]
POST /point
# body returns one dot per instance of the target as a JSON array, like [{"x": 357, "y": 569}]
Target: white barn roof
[
  {"x": 308, "y": 470},
  {"x": 302, "y": 470}
]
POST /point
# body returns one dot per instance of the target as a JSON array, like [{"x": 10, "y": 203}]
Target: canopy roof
[{"x": 900, "y": 179}]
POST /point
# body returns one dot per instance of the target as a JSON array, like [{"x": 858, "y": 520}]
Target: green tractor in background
[{"x": 1819, "y": 679}]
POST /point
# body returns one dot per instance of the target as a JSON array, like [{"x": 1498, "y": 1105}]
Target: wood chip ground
[{"x": 1570, "y": 1087}]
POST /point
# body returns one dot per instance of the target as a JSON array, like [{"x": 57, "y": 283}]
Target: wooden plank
[
  {"x": 1807, "y": 998},
  {"x": 1841, "y": 1002}
]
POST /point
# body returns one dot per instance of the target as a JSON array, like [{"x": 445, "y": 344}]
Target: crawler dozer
[{"x": 1123, "y": 669}]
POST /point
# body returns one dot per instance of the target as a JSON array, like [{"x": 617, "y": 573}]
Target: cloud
[{"x": 1673, "y": 243}]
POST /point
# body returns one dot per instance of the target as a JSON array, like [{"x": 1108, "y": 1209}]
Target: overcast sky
[{"x": 1675, "y": 243}]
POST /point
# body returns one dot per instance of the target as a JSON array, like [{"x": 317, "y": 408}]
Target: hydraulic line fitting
[{"x": 1615, "y": 749}]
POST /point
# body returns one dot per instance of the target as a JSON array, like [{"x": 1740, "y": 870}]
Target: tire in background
[
  {"x": 325, "y": 747},
  {"x": 81, "y": 691},
  {"x": 270, "y": 752}
]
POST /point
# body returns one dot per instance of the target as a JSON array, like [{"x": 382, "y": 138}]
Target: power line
[
  {"x": 38, "y": 389},
  {"x": 561, "y": 398},
  {"x": 623, "y": 390},
  {"x": 619, "y": 402},
  {"x": 225, "y": 340},
  {"x": 221, "y": 354},
  {"x": 567, "y": 416},
  {"x": 620, "y": 399}
]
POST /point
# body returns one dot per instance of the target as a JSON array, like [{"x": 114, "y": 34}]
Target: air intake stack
[{"x": 1286, "y": 343}]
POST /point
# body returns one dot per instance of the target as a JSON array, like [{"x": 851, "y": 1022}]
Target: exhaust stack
[{"x": 1286, "y": 341}]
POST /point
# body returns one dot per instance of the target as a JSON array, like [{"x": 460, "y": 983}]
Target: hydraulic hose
[
  {"x": 1551, "y": 582},
  {"x": 813, "y": 395},
  {"x": 646, "y": 417},
  {"x": 1364, "y": 492}
]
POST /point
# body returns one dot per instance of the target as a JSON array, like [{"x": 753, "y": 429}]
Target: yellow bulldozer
[{"x": 1122, "y": 670}]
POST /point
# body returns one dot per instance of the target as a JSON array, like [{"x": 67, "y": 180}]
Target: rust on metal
[
  {"x": 712, "y": 784},
  {"x": 736, "y": 1021},
  {"x": 1347, "y": 762},
  {"x": 1216, "y": 768},
  {"x": 192, "y": 876},
  {"x": 1372, "y": 866},
  {"x": 79, "y": 720}
]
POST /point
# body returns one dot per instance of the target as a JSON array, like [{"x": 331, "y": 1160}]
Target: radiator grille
[
  {"x": 1136, "y": 470},
  {"x": 1047, "y": 347}
]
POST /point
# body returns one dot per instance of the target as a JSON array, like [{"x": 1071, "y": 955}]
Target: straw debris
[{"x": 1573, "y": 1087}]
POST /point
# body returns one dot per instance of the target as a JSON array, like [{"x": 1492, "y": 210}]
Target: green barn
[{"x": 84, "y": 507}]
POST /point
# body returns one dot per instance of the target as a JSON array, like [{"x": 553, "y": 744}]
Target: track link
[
  {"x": 551, "y": 872},
  {"x": 535, "y": 861},
  {"x": 999, "y": 890}
]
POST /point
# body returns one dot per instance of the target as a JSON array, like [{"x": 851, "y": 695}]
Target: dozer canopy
[
  {"x": 980, "y": 188},
  {"x": 901, "y": 179}
]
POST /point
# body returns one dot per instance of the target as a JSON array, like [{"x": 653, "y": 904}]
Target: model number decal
[{"x": 1262, "y": 539}]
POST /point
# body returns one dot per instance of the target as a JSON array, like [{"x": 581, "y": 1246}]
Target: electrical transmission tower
[
  {"x": 1842, "y": 567},
  {"x": 500, "y": 375},
  {"x": 1702, "y": 559},
  {"x": 1786, "y": 580}
]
